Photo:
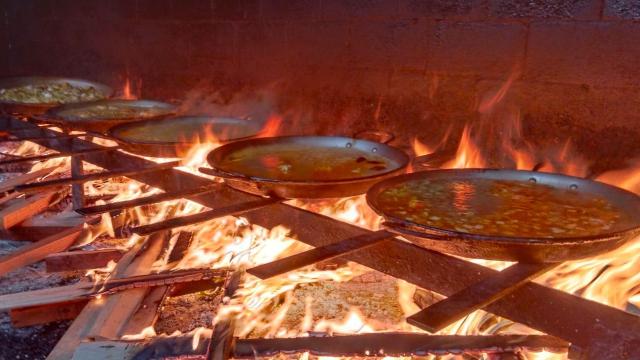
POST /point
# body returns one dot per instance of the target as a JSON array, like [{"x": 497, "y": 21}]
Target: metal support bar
[
  {"x": 234, "y": 209},
  {"x": 91, "y": 177},
  {"x": 318, "y": 254},
  {"x": 147, "y": 200},
  {"x": 447, "y": 311}
]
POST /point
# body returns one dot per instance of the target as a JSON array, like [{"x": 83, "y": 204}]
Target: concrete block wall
[{"x": 407, "y": 64}]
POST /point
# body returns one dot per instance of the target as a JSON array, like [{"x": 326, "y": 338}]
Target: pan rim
[
  {"x": 116, "y": 130},
  {"x": 108, "y": 91},
  {"x": 238, "y": 176},
  {"x": 415, "y": 228},
  {"x": 53, "y": 114}
]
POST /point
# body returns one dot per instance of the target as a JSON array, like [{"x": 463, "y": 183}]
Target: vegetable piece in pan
[
  {"x": 60, "y": 93},
  {"x": 500, "y": 208}
]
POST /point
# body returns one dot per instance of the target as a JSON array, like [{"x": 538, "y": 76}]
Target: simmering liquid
[
  {"x": 500, "y": 208},
  {"x": 119, "y": 111},
  {"x": 297, "y": 162},
  {"x": 185, "y": 131}
]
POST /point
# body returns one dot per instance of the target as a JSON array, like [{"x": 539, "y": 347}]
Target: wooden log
[
  {"x": 82, "y": 260},
  {"x": 37, "y": 251},
  {"x": 22, "y": 209},
  {"x": 10, "y": 184},
  {"x": 447, "y": 311},
  {"x": 320, "y": 253}
]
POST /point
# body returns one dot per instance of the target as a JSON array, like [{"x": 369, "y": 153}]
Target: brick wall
[{"x": 402, "y": 62}]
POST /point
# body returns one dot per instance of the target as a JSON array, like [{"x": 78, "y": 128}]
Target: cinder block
[
  {"x": 622, "y": 9},
  {"x": 349, "y": 9},
  {"x": 591, "y": 53},
  {"x": 480, "y": 49},
  {"x": 559, "y": 9},
  {"x": 443, "y": 9}
]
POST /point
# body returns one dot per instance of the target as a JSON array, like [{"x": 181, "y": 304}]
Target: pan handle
[
  {"x": 222, "y": 174},
  {"x": 380, "y": 136}
]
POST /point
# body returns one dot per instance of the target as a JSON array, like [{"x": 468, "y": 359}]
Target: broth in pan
[
  {"x": 297, "y": 162},
  {"x": 500, "y": 208}
]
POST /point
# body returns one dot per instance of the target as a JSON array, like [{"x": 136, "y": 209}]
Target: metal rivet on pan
[
  {"x": 349, "y": 145},
  {"x": 374, "y": 149},
  {"x": 533, "y": 180},
  {"x": 573, "y": 186}
]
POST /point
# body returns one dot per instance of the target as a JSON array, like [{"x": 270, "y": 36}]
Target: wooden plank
[
  {"x": 43, "y": 297},
  {"x": 235, "y": 209},
  {"x": 37, "y": 251},
  {"x": 82, "y": 260},
  {"x": 22, "y": 209},
  {"x": 44, "y": 314},
  {"x": 104, "y": 317},
  {"x": 10, "y": 184},
  {"x": 447, "y": 311},
  {"x": 221, "y": 344},
  {"x": 148, "y": 312},
  {"x": 38, "y": 227},
  {"x": 85, "y": 290},
  {"x": 321, "y": 253}
]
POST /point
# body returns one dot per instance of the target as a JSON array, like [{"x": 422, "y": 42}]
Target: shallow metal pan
[
  {"x": 61, "y": 115},
  {"x": 172, "y": 137},
  {"x": 28, "y": 109},
  {"x": 515, "y": 248},
  {"x": 396, "y": 159}
]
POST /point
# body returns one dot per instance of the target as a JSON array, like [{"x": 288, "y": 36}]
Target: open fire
[{"x": 263, "y": 308}]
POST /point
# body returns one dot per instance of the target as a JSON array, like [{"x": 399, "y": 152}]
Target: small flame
[{"x": 420, "y": 148}]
